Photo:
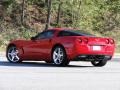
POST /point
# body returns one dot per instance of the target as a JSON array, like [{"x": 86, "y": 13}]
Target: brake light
[
  {"x": 111, "y": 41},
  {"x": 107, "y": 41},
  {"x": 85, "y": 40},
  {"x": 80, "y": 40}
]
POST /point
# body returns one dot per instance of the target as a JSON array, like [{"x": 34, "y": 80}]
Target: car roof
[{"x": 72, "y": 31}]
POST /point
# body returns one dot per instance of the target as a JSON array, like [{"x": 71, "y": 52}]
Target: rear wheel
[
  {"x": 99, "y": 63},
  {"x": 59, "y": 56},
  {"x": 12, "y": 54}
]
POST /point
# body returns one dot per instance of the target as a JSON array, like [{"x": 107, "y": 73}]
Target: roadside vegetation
[{"x": 24, "y": 18}]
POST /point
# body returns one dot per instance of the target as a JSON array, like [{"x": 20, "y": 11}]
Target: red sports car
[{"x": 60, "y": 46}]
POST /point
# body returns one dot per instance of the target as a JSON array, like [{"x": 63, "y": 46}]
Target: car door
[{"x": 40, "y": 47}]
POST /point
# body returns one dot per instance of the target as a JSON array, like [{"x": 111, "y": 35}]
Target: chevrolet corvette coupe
[{"x": 60, "y": 46}]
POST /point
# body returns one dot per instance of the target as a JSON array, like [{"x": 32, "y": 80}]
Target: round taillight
[
  {"x": 80, "y": 40},
  {"x": 107, "y": 41},
  {"x": 86, "y": 40},
  {"x": 111, "y": 41}
]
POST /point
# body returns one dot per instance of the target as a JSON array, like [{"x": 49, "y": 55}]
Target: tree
[
  {"x": 59, "y": 11},
  {"x": 48, "y": 15},
  {"x": 23, "y": 12}
]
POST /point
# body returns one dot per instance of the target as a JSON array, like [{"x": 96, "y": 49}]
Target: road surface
[{"x": 41, "y": 76}]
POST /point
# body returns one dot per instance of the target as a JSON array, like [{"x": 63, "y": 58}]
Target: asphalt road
[{"x": 41, "y": 76}]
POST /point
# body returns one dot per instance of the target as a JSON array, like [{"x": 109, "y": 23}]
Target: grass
[
  {"x": 13, "y": 34},
  {"x": 23, "y": 33},
  {"x": 115, "y": 35}
]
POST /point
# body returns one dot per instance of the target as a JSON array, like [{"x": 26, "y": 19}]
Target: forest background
[{"x": 25, "y": 18}]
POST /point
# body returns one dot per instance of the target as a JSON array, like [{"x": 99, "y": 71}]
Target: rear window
[
  {"x": 74, "y": 33},
  {"x": 81, "y": 32}
]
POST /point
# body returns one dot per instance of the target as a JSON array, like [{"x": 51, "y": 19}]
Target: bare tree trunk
[
  {"x": 48, "y": 15},
  {"x": 58, "y": 14},
  {"x": 73, "y": 13},
  {"x": 46, "y": 3},
  {"x": 78, "y": 12},
  {"x": 23, "y": 12}
]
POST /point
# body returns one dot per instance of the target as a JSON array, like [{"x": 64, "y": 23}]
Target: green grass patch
[{"x": 24, "y": 33}]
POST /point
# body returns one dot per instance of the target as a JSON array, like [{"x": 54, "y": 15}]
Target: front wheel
[
  {"x": 59, "y": 56},
  {"x": 99, "y": 63},
  {"x": 13, "y": 54}
]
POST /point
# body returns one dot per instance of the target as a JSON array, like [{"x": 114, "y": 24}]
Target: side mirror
[{"x": 32, "y": 38}]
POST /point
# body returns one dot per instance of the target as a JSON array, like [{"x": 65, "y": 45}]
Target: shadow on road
[{"x": 35, "y": 64}]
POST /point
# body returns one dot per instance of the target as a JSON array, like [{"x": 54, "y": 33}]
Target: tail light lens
[
  {"x": 86, "y": 40},
  {"x": 111, "y": 41},
  {"x": 80, "y": 40},
  {"x": 107, "y": 41}
]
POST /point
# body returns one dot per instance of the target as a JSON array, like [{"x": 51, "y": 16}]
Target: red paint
[{"x": 74, "y": 46}]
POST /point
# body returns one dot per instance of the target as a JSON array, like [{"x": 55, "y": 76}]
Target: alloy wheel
[
  {"x": 12, "y": 54},
  {"x": 58, "y": 55}
]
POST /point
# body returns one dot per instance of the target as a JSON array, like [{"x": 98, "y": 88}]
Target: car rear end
[{"x": 93, "y": 48}]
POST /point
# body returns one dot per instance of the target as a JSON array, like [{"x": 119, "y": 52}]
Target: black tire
[
  {"x": 61, "y": 60},
  {"x": 12, "y": 51},
  {"x": 99, "y": 63},
  {"x": 48, "y": 62}
]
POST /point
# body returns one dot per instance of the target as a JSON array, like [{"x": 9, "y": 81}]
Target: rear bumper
[
  {"x": 92, "y": 57},
  {"x": 86, "y": 52}
]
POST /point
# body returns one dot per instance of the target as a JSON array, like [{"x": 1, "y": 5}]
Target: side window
[
  {"x": 41, "y": 35},
  {"x": 45, "y": 34},
  {"x": 50, "y": 34},
  {"x": 65, "y": 33}
]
